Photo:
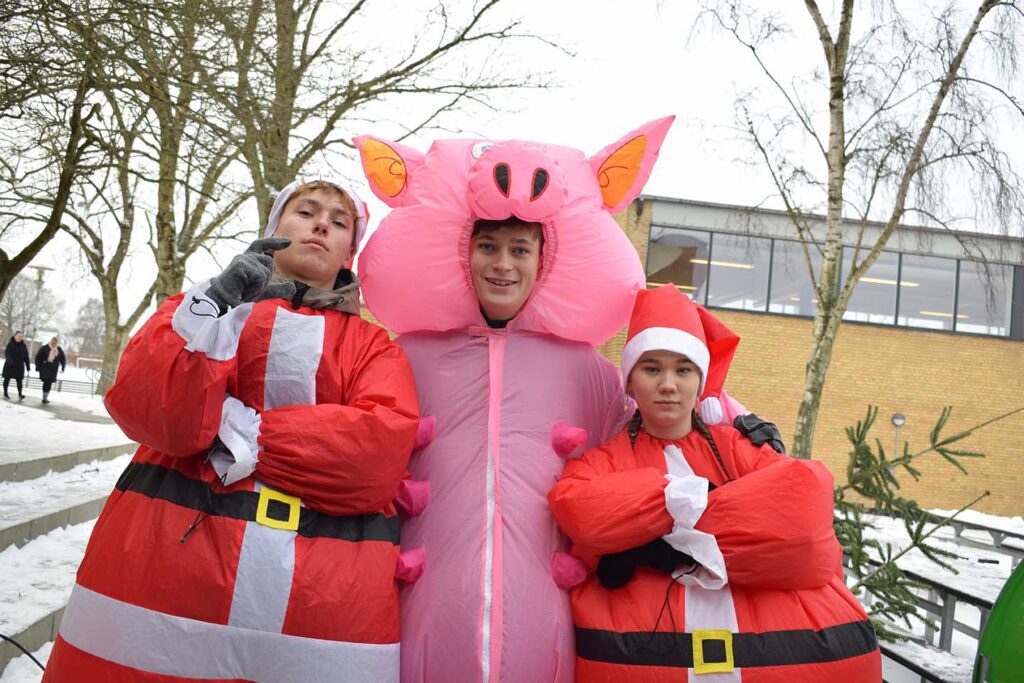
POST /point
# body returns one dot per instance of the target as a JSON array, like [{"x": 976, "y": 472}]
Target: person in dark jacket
[
  {"x": 16, "y": 363},
  {"x": 47, "y": 360}
]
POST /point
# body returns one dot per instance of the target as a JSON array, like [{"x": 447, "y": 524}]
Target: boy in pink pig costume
[{"x": 507, "y": 402}]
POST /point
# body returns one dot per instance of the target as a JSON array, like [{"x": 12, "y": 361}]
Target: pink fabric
[
  {"x": 496, "y": 394},
  {"x": 425, "y": 433},
  {"x": 441, "y": 628},
  {"x": 410, "y": 566},
  {"x": 568, "y": 440},
  {"x": 568, "y": 570},
  {"x": 413, "y": 497}
]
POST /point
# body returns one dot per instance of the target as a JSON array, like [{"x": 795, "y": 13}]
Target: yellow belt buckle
[
  {"x": 269, "y": 494},
  {"x": 703, "y": 667}
]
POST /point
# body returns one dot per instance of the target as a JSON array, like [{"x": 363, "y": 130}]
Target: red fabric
[
  {"x": 345, "y": 455},
  {"x": 772, "y": 523}
]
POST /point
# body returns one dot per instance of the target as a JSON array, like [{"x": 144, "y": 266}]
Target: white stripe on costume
[
  {"x": 266, "y": 563},
  {"x": 707, "y": 608},
  {"x": 160, "y": 643},
  {"x": 711, "y": 609},
  {"x": 686, "y": 498}
]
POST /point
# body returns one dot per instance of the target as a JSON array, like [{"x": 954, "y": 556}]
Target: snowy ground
[
  {"x": 39, "y": 575},
  {"x": 29, "y": 430}
]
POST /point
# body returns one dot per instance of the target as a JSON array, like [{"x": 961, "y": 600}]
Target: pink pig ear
[
  {"x": 622, "y": 168},
  {"x": 389, "y": 168}
]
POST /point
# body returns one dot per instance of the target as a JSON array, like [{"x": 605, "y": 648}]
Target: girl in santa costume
[
  {"x": 254, "y": 535},
  {"x": 714, "y": 559}
]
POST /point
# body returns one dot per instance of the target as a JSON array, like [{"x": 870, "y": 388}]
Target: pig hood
[{"x": 419, "y": 255}]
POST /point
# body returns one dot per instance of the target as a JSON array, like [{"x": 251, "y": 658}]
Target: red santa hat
[{"x": 665, "y": 319}]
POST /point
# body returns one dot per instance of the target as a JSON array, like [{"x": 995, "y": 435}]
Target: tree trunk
[{"x": 115, "y": 338}]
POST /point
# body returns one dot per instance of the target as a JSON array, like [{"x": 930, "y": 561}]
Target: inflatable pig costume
[{"x": 507, "y": 403}]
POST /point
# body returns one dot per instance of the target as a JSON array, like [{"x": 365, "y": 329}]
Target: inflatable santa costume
[
  {"x": 756, "y": 593},
  {"x": 287, "y": 574}
]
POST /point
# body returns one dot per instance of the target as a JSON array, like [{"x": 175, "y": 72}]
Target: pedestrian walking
[
  {"x": 47, "y": 360},
  {"x": 16, "y": 363}
]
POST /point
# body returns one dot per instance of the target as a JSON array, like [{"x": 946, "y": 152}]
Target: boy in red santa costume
[
  {"x": 711, "y": 555},
  {"x": 253, "y": 536}
]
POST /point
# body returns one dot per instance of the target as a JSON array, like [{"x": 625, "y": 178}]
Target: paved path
[{"x": 61, "y": 411}]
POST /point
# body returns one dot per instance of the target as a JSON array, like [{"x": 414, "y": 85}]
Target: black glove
[
  {"x": 615, "y": 570},
  {"x": 760, "y": 431},
  {"x": 247, "y": 277}
]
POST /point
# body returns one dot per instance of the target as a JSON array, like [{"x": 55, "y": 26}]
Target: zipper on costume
[{"x": 495, "y": 348}]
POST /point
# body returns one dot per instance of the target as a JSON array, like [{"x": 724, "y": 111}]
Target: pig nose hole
[
  {"x": 502, "y": 177},
  {"x": 540, "y": 183}
]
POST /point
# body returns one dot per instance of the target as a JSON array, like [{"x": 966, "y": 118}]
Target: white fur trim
[
  {"x": 686, "y": 498},
  {"x": 711, "y": 411},
  {"x": 666, "y": 339},
  {"x": 239, "y": 427},
  {"x": 198, "y": 321}
]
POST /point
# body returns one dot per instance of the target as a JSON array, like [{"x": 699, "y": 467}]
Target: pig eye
[
  {"x": 540, "y": 183},
  {"x": 479, "y": 148},
  {"x": 502, "y": 174}
]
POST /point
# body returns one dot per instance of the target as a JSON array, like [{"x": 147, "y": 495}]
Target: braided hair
[{"x": 636, "y": 424}]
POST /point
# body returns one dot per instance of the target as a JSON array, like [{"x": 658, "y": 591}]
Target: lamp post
[{"x": 898, "y": 420}]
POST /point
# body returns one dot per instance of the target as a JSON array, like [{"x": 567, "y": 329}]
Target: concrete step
[
  {"x": 30, "y": 509},
  {"x": 31, "y": 469}
]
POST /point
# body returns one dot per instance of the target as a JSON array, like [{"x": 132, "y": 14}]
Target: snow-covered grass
[
  {"x": 26, "y": 500},
  {"x": 29, "y": 433}
]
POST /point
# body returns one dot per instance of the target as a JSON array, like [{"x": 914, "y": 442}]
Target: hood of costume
[{"x": 504, "y": 406}]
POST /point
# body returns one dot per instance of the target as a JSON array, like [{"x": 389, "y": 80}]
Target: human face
[
  {"x": 664, "y": 385},
  {"x": 504, "y": 264},
  {"x": 18, "y": 337},
  {"x": 321, "y": 230}
]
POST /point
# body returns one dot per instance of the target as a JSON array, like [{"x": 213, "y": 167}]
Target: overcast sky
[{"x": 633, "y": 62}]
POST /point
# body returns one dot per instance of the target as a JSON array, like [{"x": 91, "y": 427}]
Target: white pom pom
[{"x": 711, "y": 410}]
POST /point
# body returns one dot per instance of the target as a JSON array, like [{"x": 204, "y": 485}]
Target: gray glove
[{"x": 247, "y": 277}]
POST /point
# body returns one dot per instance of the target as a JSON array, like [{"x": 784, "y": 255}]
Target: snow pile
[
  {"x": 39, "y": 575},
  {"x": 1012, "y": 524},
  {"x": 24, "y": 670}
]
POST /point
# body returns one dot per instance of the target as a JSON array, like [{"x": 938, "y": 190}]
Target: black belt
[
  {"x": 268, "y": 507},
  {"x": 721, "y": 650}
]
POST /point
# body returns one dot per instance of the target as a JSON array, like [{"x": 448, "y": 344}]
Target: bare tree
[
  {"x": 46, "y": 79},
  {"x": 28, "y": 306},
  {"x": 302, "y": 72},
  {"x": 905, "y": 114},
  {"x": 90, "y": 329}
]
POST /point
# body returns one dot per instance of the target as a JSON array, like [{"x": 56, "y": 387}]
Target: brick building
[{"x": 930, "y": 325}]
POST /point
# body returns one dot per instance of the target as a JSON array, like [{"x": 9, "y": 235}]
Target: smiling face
[
  {"x": 320, "y": 225},
  {"x": 665, "y": 385},
  {"x": 504, "y": 264}
]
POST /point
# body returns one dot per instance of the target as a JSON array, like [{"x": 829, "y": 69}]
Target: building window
[
  {"x": 874, "y": 297},
  {"x": 791, "y": 289},
  {"x": 928, "y": 292},
  {"x": 738, "y": 272},
  {"x": 680, "y": 257},
  {"x": 984, "y": 301}
]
